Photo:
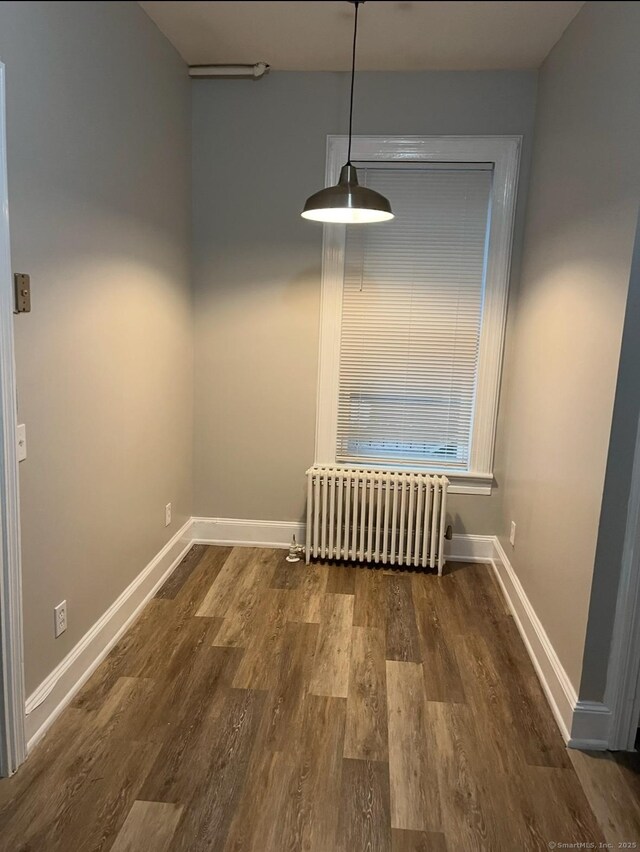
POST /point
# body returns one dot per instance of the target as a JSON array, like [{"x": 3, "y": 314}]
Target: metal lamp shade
[{"x": 347, "y": 202}]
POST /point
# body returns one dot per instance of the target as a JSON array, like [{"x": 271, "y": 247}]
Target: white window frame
[{"x": 504, "y": 153}]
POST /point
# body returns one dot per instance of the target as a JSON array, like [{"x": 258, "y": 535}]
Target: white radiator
[{"x": 376, "y": 516}]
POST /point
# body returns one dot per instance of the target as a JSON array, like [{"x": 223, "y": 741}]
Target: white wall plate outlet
[
  {"x": 60, "y": 618},
  {"x": 512, "y": 534},
  {"x": 167, "y": 514}
]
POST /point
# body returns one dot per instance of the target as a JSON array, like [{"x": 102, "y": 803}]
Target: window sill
[
  {"x": 459, "y": 482},
  {"x": 470, "y": 483}
]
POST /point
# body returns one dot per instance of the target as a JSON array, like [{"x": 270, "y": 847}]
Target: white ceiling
[{"x": 400, "y": 36}]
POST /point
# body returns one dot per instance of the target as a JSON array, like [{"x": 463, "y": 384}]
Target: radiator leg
[
  {"x": 307, "y": 537},
  {"x": 443, "y": 526}
]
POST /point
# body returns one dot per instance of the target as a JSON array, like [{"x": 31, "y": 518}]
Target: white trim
[
  {"x": 555, "y": 682},
  {"x": 468, "y": 483},
  {"x": 587, "y": 745},
  {"x": 237, "y": 532},
  {"x": 504, "y": 153},
  {"x": 12, "y": 734},
  {"x": 622, "y": 692},
  {"x": 56, "y": 691},
  {"x": 590, "y": 726},
  {"x": 470, "y": 548}
]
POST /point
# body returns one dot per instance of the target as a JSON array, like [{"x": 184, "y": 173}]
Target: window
[{"x": 413, "y": 309}]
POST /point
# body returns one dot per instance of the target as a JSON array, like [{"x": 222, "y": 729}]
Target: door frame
[
  {"x": 13, "y": 747},
  {"x": 622, "y": 691},
  {"x": 622, "y": 695}
]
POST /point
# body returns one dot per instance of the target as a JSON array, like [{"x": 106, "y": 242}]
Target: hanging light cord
[{"x": 353, "y": 73}]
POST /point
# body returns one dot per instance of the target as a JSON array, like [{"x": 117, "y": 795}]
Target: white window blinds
[{"x": 411, "y": 318}]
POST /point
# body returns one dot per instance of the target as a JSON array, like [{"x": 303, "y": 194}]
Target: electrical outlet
[
  {"x": 512, "y": 534},
  {"x": 60, "y": 618},
  {"x": 167, "y": 514}
]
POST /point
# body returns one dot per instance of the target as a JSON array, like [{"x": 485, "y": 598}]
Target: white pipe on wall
[{"x": 255, "y": 71}]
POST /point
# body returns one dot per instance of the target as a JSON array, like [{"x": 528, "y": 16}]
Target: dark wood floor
[{"x": 259, "y": 705}]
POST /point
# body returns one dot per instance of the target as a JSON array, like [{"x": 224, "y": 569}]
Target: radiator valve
[{"x": 295, "y": 550}]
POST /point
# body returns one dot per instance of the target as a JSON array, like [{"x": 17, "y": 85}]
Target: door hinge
[{"x": 22, "y": 284}]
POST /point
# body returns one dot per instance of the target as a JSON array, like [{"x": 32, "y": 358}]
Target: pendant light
[{"x": 347, "y": 202}]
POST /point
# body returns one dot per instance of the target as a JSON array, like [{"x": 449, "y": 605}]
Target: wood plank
[
  {"x": 181, "y": 574},
  {"x": 141, "y": 652},
  {"x": 341, "y": 578},
  {"x": 523, "y": 701},
  {"x": 418, "y": 841},
  {"x": 493, "y": 749},
  {"x": 366, "y": 736},
  {"x": 492, "y": 717},
  {"x": 370, "y": 608},
  {"x": 239, "y": 620},
  {"x": 122, "y": 707},
  {"x": 450, "y": 766},
  {"x": 305, "y": 602},
  {"x": 331, "y": 664},
  {"x": 415, "y": 798},
  {"x": 613, "y": 801},
  {"x": 134, "y": 653},
  {"x": 309, "y": 817},
  {"x": 442, "y": 680},
  {"x": 265, "y": 636},
  {"x": 88, "y": 809},
  {"x": 206, "y": 770},
  {"x": 479, "y": 597},
  {"x": 490, "y": 746},
  {"x": 540, "y": 739},
  {"x": 511, "y": 691},
  {"x": 184, "y": 701},
  {"x": 257, "y": 829},
  {"x": 237, "y": 576},
  {"x": 149, "y": 826},
  {"x": 284, "y": 711},
  {"x": 365, "y": 821},
  {"x": 190, "y": 597},
  {"x": 43, "y": 774},
  {"x": 403, "y": 642},
  {"x": 628, "y": 762},
  {"x": 561, "y": 807},
  {"x": 287, "y": 575}
]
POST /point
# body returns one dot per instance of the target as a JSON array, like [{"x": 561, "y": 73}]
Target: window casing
[{"x": 412, "y": 320}]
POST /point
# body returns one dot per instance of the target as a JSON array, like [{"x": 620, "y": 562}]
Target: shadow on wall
[{"x": 457, "y": 523}]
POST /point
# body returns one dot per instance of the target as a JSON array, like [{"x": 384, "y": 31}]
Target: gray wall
[
  {"x": 566, "y": 325},
  {"x": 99, "y": 180},
  {"x": 258, "y": 152}
]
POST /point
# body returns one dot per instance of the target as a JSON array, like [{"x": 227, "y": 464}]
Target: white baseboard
[
  {"x": 247, "y": 533},
  {"x": 243, "y": 533},
  {"x": 470, "y": 548},
  {"x": 591, "y": 726},
  {"x": 56, "y": 691}
]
